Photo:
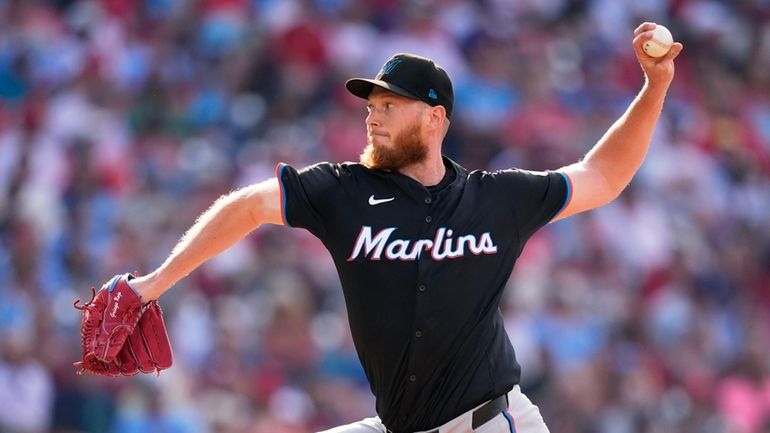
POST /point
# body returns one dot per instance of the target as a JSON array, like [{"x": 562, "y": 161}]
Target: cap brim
[{"x": 362, "y": 87}]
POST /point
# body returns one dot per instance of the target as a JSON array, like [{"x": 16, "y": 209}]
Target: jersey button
[
  {"x": 421, "y": 288},
  {"x": 428, "y": 219},
  {"x": 428, "y": 200},
  {"x": 412, "y": 378},
  {"x": 418, "y": 333}
]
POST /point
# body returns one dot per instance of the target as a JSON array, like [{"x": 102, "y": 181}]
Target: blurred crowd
[{"x": 121, "y": 121}]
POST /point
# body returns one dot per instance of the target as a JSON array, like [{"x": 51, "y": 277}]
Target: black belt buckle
[{"x": 491, "y": 409}]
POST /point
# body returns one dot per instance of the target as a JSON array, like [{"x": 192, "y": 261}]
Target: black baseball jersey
[{"x": 422, "y": 271}]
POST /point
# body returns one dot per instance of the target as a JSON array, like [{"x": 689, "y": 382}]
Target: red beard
[{"x": 407, "y": 149}]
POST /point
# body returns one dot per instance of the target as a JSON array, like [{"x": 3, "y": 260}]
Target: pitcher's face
[{"x": 394, "y": 131}]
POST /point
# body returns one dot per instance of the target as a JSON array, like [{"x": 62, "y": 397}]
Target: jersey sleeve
[
  {"x": 535, "y": 197},
  {"x": 306, "y": 194}
]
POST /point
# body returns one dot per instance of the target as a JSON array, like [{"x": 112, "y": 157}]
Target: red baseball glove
[{"x": 120, "y": 336}]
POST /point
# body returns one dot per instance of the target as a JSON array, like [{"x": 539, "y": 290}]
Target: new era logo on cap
[{"x": 411, "y": 76}]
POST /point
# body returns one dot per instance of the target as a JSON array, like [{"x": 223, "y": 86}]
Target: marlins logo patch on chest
[{"x": 444, "y": 245}]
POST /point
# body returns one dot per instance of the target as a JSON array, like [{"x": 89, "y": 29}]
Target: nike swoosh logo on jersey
[{"x": 375, "y": 201}]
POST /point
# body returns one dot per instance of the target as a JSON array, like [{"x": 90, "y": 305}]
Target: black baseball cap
[{"x": 411, "y": 76}]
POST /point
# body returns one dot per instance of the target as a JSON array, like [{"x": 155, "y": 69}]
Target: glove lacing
[{"x": 85, "y": 332}]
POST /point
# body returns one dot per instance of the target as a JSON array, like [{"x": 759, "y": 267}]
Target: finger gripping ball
[{"x": 660, "y": 43}]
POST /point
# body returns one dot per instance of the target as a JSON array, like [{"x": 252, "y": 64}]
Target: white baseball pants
[{"x": 522, "y": 417}]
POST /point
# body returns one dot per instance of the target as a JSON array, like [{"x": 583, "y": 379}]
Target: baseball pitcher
[{"x": 423, "y": 248}]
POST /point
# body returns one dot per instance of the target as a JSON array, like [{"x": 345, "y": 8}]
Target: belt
[{"x": 485, "y": 413}]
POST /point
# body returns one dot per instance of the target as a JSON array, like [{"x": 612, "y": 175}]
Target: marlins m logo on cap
[{"x": 388, "y": 67}]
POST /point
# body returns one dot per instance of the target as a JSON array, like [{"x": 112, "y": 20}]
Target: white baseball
[{"x": 660, "y": 43}]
